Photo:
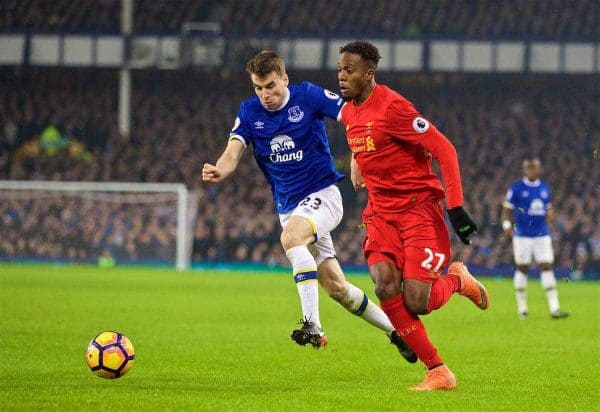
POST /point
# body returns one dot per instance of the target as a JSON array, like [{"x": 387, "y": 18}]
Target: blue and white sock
[
  {"x": 548, "y": 281},
  {"x": 359, "y": 304},
  {"x": 520, "y": 284},
  {"x": 305, "y": 275}
]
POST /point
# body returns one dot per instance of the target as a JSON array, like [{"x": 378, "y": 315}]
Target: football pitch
[{"x": 217, "y": 341}]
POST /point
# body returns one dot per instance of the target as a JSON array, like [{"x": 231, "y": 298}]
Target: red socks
[
  {"x": 442, "y": 290},
  {"x": 412, "y": 330},
  {"x": 410, "y": 326}
]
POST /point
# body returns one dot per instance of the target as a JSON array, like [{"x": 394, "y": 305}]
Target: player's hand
[
  {"x": 463, "y": 224},
  {"x": 357, "y": 182},
  {"x": 355, "y": 177},
  {"x": 211, "y": 174},
  {"x": 507, "y": 228}
]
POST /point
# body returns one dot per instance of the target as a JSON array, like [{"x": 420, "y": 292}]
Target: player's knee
[
  {"x": 415, "y": 305},
  {"x": 386, "y": 290},
  {"x": 523, "y": 268},
  {"x": 520, "y": 280},
  {"x": 290, "y": 239},
  {"x": 545, "y": 266},
  {"x": 385, "y": 278},
  {"x": 548, "y": 280}
]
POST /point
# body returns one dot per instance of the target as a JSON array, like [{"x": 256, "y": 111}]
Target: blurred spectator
[
  {"x": 471, "y": 18},
  {"x": 60, "y": 15}
]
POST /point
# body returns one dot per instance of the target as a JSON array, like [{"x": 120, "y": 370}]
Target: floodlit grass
[{"x": 220, "y": 341}]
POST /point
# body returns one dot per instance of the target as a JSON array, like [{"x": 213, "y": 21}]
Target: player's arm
[
  {"x": 508, "y": 219},
  {"x": 406, "y": 124},
  {"x": 355, "y": 177},
  {"x": 444, "y": 152},
  {"x": 550, "y": 216},
  {"x": 226, "y": 164},
  {"x": 508, "y": 216}
]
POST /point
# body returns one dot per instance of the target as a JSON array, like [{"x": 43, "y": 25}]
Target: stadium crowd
[
  {"x": 181, "y": 120},
  {"x": 471, "y": 18},
  {"x": 80, "y": 227}
]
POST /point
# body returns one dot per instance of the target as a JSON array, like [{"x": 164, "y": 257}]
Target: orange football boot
[
  {"x": 439, "y": 378},
  {"x": 469, "y": 286}
]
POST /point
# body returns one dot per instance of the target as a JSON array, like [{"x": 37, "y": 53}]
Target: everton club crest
[{"x": 295, "y": 114}]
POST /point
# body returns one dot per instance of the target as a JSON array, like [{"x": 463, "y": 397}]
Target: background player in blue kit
[
  {"x": 285, "y": 124},
  {"x": 528, "y": 206}
]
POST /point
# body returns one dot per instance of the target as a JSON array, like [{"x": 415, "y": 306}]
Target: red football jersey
[{"x": 393, "y": 146}]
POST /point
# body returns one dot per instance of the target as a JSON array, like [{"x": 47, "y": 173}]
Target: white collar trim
[
  {"x": 529, "y": 183},
  {"x": 286, "y": 99}
]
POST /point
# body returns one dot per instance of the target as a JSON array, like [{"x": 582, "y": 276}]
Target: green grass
[{"x": 220, "y": 341}]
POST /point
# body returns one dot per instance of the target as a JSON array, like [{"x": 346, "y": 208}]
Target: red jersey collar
[{"x": 368, "y": 97}]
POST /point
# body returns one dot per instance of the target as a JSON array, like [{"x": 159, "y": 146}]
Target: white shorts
[
  {"x": 539, "y": 248},
  {"x": 324, "y": 210}
]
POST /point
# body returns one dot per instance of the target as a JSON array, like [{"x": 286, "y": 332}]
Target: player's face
[
  {"x": 354, "y": 77},
  {"x": 270, "y": 89},
  {"x": 532, "y": 170}
]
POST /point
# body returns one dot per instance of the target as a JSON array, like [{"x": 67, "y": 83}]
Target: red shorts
[{"x": 416, "y": 240}]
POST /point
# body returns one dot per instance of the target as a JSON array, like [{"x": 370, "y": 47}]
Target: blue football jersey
[
  {"x": 529, "y": 202},
  {"x": 290, "y": 144}
]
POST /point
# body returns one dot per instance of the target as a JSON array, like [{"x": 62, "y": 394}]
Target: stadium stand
[
  {"x": 60, "y": 15},
  {"x": 494, "y": 121},
  {"x": 410, "y": 18}
]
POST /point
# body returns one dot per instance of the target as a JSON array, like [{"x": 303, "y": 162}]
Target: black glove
[{"x": 463, "y": 224}]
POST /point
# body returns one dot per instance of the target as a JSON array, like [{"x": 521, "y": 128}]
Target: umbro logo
[{"x": 259, "y": 125}]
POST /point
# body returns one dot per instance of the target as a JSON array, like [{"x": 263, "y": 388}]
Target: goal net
[{"x": 97, "y": 221}]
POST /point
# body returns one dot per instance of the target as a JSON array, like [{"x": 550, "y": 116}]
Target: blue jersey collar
[
  {"x": 529, "y": 183},
  {"x": 286, "y": 99}
]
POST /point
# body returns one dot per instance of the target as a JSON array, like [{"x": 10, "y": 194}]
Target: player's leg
[
  {"x": 387, "y": 280},
  {"x": 297, "y": 234},
  {"x": 314, "y": 217},
  {"x": 520, "y": 285},
  {"x": 544, "y": 254},
  {"x": 384, "y": 254},
  {"x": 426, "y": 249},
  {"x": 417, "y": 296},
  {"x": 353, "y": 299},
  {"x": 522, "y": 250}
]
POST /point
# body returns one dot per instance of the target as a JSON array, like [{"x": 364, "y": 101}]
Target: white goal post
[{"x": 184, "y": 226}]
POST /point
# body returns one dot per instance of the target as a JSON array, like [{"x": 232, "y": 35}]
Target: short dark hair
[
  {"x": 265, "y": 62},
  {"x": 532, "y": 160},
  {"x": 364, "y": 49}
]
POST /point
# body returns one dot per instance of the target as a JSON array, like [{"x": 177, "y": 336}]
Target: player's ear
[
  {"x": 286, "y": 79},
  {"x": 370, "y": 74}
]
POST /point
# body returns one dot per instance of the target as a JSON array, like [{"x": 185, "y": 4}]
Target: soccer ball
[{"x": 110, "y": 355}]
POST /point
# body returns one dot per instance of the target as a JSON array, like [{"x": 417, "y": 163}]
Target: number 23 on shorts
[{"x": 313, "y": 203}]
